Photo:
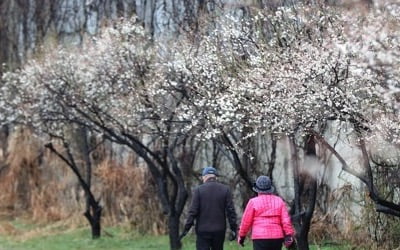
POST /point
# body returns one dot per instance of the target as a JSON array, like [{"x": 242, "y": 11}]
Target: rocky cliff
[{"x": 26, "y": 24}]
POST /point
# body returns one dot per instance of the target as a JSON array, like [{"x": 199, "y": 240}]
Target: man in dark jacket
[{"x": 211, "y": 205}]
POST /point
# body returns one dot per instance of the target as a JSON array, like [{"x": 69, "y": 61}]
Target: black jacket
[{"x": 211, "y": 205}]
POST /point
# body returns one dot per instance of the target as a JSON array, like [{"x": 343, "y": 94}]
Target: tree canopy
[{"x": 287, "y": 71}]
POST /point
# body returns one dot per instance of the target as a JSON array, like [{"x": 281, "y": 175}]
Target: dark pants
[
  {"x": 210, "y": 240},
  {"x": 271, "y": 244}
]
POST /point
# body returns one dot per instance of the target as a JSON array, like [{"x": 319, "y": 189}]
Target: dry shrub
[
  {"x": 45, "y": 204},
  {"x": 341, "y": 222},
  {"x": 376, "y": 230},
  {"x": 323, "y": 229},
  {"x": 60, "y": 196},
  {"x": 331, "y": 219},
  {"x": 129, "y": 196},
  {"x": 22, "y": 175},
  {"x": 37, "y": 183}
]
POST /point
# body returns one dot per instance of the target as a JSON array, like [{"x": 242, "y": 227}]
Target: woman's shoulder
[
  {"x": 277, "y": 197},
  {"x": 271, "y": 197}
]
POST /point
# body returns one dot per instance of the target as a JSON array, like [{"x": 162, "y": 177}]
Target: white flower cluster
[{"x": 281, "y": 72}]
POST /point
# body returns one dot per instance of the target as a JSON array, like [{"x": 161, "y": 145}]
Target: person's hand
[
  {"x": 183, "y": 235},
  {"x": 232, "y": 235},
  {"x": 288, "y": 241},
  {"x": 241, "y": 240}
]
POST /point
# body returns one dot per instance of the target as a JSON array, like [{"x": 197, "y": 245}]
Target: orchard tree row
[{"x": 286, "y": 72}]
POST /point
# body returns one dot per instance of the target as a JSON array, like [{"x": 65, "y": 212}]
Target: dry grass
[
  {"x": 35, "y": 183},
  {"x": 324, "y": 231},
  {"x": 129, "y": 196},
  {"x": 22, "y": 175},
  {"x": 322, "y": 228},
  {"x": 339, "y": 222},
  {"x": 38, "y": 185},
  {"x": 7, "y": 228},
  {"x": 24, "y": 228}
]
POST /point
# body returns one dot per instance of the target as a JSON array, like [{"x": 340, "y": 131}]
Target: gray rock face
[{"x": 25, "y": 24}]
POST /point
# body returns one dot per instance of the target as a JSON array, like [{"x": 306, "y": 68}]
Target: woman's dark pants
[{"x": 271, "y": 244}]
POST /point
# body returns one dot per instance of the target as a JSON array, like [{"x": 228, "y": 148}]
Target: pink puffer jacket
[{"x": 267, "y": 216}]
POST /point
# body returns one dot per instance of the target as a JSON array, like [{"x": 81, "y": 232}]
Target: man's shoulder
[
  {"x": 220, "y": 184},
  {"x": 216, "y": 184}
]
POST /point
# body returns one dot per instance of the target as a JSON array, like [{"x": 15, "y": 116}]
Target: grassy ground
[{"x": 15, "y": 235}]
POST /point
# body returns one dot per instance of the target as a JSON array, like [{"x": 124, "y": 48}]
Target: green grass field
[{"x": 48, "y": 237}]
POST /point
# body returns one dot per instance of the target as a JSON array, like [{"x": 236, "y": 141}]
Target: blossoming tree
[
  {"x": 292, "y": 72},
  {"x": 286, "y": 73},
  {"x": 109, "y": 87}
]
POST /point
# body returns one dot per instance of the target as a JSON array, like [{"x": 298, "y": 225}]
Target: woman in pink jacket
[{"x": 267, "y": 217}]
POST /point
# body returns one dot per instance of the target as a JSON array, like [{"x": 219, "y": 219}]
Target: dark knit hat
[
  {"x": 209, "y": 170},
  {"x": 263, "y": 185}
]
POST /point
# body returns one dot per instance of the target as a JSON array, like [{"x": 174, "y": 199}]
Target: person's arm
[
  {"x": 286, "y": 221},
  {"x": 230, "y": 212},
  {"x": 247, "y": 219},
  {"x": 247, "y": 222},
  {"x": 193, "y": 211}
]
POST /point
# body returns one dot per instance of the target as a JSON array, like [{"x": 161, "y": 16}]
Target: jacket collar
[{"x": 211, "y": 179}]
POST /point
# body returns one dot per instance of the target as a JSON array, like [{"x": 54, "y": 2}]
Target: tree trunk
[
  {"x": 94, "y": 220},
  {"x": 92, "y": 204},
  {"x": 173, "y": 226},
  {"x": 382, "y": 205},
  {"x": 302, "y": 242},
  {"x": 305, "y": 188},
  {"x": 4, "y": 133}
]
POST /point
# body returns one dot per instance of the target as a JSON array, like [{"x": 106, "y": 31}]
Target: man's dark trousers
[{"x": 210, "y": 240}]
